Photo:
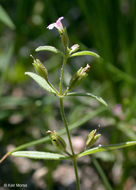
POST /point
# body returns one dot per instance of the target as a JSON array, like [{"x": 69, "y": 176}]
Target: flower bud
[
  {"x": 92, "y": 138},
  {"x": 74, "y": 48},
  {"x": 40, "y": 68},
  {"x": 78, "y": 77},
  {"x": 58, "y": 142}
]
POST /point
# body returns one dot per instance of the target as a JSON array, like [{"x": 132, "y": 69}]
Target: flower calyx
[
  {"x": 57, "y": 141},
  {"x": 78, "y": 77},
  {"x": 40, "y": 68},
  {"x": 92, "y": 138}
]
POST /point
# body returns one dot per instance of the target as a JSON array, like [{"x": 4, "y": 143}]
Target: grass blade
[
  {"x": 5, "y": 63},
  {"x": 4, "y": 17},
  {"x": 120, "y": 75},
  {"x": 101, "y": 173}
]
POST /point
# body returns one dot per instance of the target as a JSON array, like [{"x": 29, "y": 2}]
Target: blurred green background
[{"x": 26, "y": 111}]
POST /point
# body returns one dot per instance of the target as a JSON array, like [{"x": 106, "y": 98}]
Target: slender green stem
[
  {"x": 69, "y": 138},
  {"x": 66, "y": 91},
  {"x": 53, "y": 87},
  {"x": 61, "y": 104},
  {"x": 66, "y": 124},
  {"x": 76, "y": 174}
]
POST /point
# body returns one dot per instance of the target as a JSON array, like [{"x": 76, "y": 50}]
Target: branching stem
[{"x": 66, "y": 125}]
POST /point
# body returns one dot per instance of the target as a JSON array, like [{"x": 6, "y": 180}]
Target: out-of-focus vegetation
[{"x": 26, "y": 112}]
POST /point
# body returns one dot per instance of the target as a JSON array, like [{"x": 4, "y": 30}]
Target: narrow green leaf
[
  {"x": 4, "y": 17},
  {"x": 47, "y": 48},
  {"x": 80, "y": 53},
  {"x": 88, "y": 95},
  {"x": 39, "y": 155},
  {"x": 41, "y": 81},
  {"x": 13, "y": 101},
  {"x": 126, "y": 128},
  {"x": 120, "y": 75},
  {"x": 106, "y": 148}
]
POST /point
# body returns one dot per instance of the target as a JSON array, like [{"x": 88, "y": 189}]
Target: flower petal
[
  {"x": 59, "y": 25},
  {"x": 51, "y": 26}
]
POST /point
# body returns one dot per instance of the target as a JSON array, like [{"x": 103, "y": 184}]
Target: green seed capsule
[
  {"x": 40, "y": 68},
  {"x": 57, "y": 141},
  {"x": 78, "y": 77},
  {"x": 92, "y": 138}
]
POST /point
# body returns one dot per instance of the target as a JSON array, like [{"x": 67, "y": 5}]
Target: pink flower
[
  {"x": 57, "y": 25},
  {"x": 118, "y": 111}
]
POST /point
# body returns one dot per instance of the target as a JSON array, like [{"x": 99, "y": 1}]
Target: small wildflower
[
  {"x": 117, "y": 111},
  {"x": 62, "y": 31},
  {"x": 57, "y": 25}
]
